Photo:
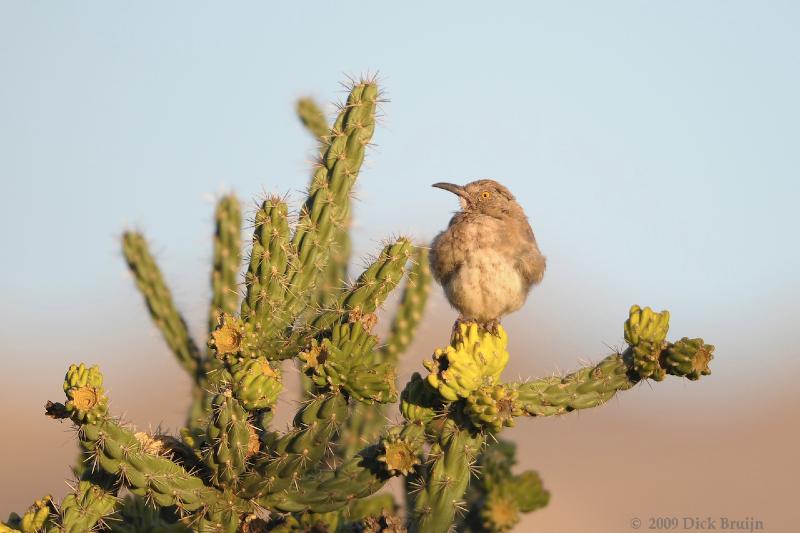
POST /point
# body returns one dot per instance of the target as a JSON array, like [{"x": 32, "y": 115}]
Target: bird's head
[{"x": 484, "y": 196}]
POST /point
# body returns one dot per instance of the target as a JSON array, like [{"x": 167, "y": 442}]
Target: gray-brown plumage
[{"x": 487, "y": 259}]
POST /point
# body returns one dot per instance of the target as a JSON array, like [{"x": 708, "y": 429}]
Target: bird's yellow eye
[{"x": 486, "y": 195}]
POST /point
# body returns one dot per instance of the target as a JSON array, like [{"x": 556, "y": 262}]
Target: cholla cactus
[{"x": 229, "y": 470}]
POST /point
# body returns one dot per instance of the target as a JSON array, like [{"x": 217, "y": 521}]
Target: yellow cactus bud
[{"x": 474, "y": 358}]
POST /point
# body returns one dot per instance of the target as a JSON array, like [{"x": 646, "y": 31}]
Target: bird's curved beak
[{"x": 455, "y": 189}]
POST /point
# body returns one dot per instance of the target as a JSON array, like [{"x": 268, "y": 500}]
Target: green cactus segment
[
  {"x": 267, "y": 280},
  {"x": 117, "y": 451},
  {"x": 412, "y": 306},
  {"x": 34, "y": 519},
  {"x": 327, "y": 207},
  {"x": 136, "y": 516},
  {"x": 442, "y": 483},
  {"x": 365, "y": 423},
  {"x": 371, "y": 506},
  {"x": 493, "y": 407},
  {"x": 646, "y": 333},
  {"x": 370, "y": 289},
  {"x": 345, "y": 360},
  {"x": 256, "y": 383},
  {"x": 312, "y": 117},
  {"x": 474, "y": 358},
  {"x": 289, "y": 456},
  {"x": 135, "y": 459},
  {"x": 688, "y": 358},
  {"x": 159, "y": 301},
  {"x": 331, "y": 490},
  {"x": 297, "y": 522},
  {"x": 85, "y": 508},
  {"x": 230, "y": 441},
  {"x": 588, "y": 387},
  {"x": 227, "y": 259},
  {"x": 86, "y": 400},
  {"x": 497, "y": 498}
]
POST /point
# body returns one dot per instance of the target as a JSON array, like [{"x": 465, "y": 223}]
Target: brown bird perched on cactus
[{"x": 487, "y": 259}]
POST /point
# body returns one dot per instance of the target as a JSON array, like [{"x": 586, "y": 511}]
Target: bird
[{"x": 487, "y": 260}]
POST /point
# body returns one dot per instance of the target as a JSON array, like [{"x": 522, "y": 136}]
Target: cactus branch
[
  {"x": 227, "y": 259},
  {"x": 159, "y": 302}
]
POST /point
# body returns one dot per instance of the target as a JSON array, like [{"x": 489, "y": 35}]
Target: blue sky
[{"x": 653, "y": 144}]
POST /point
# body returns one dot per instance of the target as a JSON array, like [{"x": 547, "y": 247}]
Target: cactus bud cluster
[
  {"x": 646, "y": 333},
  {"x": 86, "y": 400},
  {"x": 474, "y": 358}
]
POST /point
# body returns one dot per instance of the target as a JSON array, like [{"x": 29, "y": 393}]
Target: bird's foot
[
  {"x": 460, "y": 320},
  {"x": 492, "y": 326}
]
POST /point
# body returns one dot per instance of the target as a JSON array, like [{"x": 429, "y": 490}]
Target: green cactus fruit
[
  {"x": 346, "y": 361},
  {"x": 34, "y": 519},
  {"x": 474, "y": 358},
  {"x": 256, "y": 383},
  {"x": 232, "y": 339},
  {"x": 645, "y": 325},
  {"x": 499, "y": 512},
  {"x": 646, "y": 361},
  {"x": 646, "y": 332},
  {"x": 528, "y": 491},
  {"x": 688, "y": 358},
  {"x": 400, "y": 453},
  {"x": 419, "y": 401},
  {"x": 372, "y": 383},
  {"x": 493, "y": 407},
  {"x": 86, "y": 400},
  {"x": 313, "y": 360}
]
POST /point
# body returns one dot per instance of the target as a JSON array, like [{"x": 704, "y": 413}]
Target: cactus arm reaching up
[{"x": 162, "y": 309}]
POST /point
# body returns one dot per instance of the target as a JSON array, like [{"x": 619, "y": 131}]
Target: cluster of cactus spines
[{"x": 230, "y": 471}]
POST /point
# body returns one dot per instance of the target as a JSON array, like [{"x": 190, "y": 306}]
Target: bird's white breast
[{"x": 487, "y": 285}]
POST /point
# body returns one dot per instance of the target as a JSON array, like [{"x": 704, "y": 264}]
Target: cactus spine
[{"x": 230, "y": 471}]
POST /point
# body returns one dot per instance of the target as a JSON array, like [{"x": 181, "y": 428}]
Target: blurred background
[{"x": 654, "y": 145}]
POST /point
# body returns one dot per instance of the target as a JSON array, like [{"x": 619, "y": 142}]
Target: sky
[{"x": 654, "y": 146}]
